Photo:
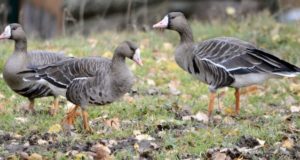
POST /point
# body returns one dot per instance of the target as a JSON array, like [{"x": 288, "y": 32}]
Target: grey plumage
[
  {"x": 87, "y": 80},
  {"x": 20, "y": 60},
  {"x": 218, "y": 62},
  {"x": 91, "y": 80},
  {"x": 32, "y": 89},
  {"x": 223, "y": 61}
]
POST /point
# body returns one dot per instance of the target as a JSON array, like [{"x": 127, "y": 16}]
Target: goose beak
[
  {"x": 6, "y": 34},
  {"x": 137, "y": 57},
  {"x": 163, "y": 23}
]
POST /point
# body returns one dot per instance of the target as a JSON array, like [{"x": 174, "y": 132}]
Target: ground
[{"x": 164, "y": 115}]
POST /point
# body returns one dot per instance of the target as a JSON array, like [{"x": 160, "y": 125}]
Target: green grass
[{"x": 261, "y": 112}]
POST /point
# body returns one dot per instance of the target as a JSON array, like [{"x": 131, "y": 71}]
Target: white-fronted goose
[
  {"x": 92, "y": 80},
  {"x": 19, "y": 61},
  {"x": 224, "y": 61}
]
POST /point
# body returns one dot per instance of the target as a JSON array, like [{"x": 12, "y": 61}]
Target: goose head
[
  {"x": 13, "y": 31},
  {"x": 173, "y": 21},
  {"x": 130, "y": 50}
]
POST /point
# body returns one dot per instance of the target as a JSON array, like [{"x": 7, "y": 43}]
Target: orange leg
[
  {"x": 237, "y": 101},
  {"x": 71, "y": 116},
  {"x": 212, "y": 97},
  {"x": 86, "y": 125},
  {"x": 55, "y": 106},
  {"x": 31, "y": 105}
]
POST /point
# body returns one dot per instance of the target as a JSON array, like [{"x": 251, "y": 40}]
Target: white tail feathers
[{"x": 287, "y": 74}]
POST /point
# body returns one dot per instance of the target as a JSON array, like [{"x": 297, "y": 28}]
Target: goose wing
[
  {"x": 240, "y": 57},
  {"x": 62, "y": 73}
]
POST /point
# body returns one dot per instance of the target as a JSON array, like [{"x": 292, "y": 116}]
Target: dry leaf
[
  {"x": 230, "y": 11},
  {"x": 21, "y": 119},
  {"x": 93, "y": 42},
  {"x": 42, "y": 142},
  {"x": 101, "y": 152},
  {"x": 107, "y": 54},
  {"x": 229, "y": 111},
  {"x": 172, "y": 66},
  {"x": 151, "y": 82},
  {"x": 12, "y": 157},
  {"x": 288, "y": 143},
  {"x": 144, "y": 137},
  {"x": 295, "y": 88},
  {"x": 228, "y": 120},
  {"x": 295, "y": 109},
  {"x": 136, "y": 146},
  {"x": 1, "y": 96},
  {"x": 80, "y": 156},
  {"x": 168, "y": 46},
  {"x": 2, "y": 108},
  {"x": 219, "y": 156},
  {"x": 35, "y": 156},
  {"x": 23, "y": 155},
  {"x": 56, "y": 128},
  {"x": 128, "y": 98},
  {"x": 113, "y": 123},
  {"x": 173, "y": 87},
  {"x": 136, "y": 132},
  {"x": 201, "y": 117}
]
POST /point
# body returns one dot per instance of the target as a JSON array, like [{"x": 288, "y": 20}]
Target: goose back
[
  {"x": 18, "y": 62},
  {"x": 88, "y": 80}
]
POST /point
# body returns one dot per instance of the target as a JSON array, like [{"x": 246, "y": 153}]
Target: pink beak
[
  {"x": 137, "y": 57},
  {"x": 163, "y": 23},
  {"x": 6, "y": 33}
]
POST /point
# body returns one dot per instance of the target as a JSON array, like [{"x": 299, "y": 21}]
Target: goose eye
[
  {"x": 13, "y": 28},
  {"x": 172, "y": 17}
]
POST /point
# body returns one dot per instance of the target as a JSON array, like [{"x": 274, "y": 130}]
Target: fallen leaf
[
  {"x": 93, "y": 42},
  {"x": 56, "y": 128},
  {"x": 288, "y": 143},
  {"x": 128, "y": 98},
  {"x": 295, "y": 88},
  {"x": 136, "y": 146},
  {"x": 23, "y": 155},
  {"x": 151, "y": 82},
  {"x": 201, "y": 117},
  {"x": 21, "y": 119},
  {"x": 219, "y": 156},
  {"x": 261, "y": 142},
  {"x": 113, "y": 123},
  {"x": 230, "y": 11},
  {"x": 168, "y": 46},
  {"x": 136, "y": 132},
  {"x": 228, "y": 120},
  {"x": 295, "y": 109},
  {"x": 172, "y": 66},
  {"x": 35, "y": 156},
  {"x": 42, "y": 142},
  {"x": 80, "y": 156},
  {"x": 1, "y": 96},
  {"x": 107, "y": 54},
  {"x": 12, "y": 157},
  {"x": 144, "y": 137},
  {"x": 229, "y": 111},
  {"x": 2, "y": 108},
  {"x": 101, "y": 152},
  {"x": 173, "y": 85}
]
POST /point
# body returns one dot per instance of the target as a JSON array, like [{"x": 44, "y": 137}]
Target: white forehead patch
[{"x": 7, "y": 32}]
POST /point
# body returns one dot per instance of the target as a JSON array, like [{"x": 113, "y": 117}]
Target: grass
[{"x": 261, "y": 112}]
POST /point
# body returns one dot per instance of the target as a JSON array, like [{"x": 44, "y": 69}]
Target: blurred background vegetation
[{"x": 49, "y": 18}]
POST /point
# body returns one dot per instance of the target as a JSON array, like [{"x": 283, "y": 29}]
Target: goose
[
  {"x": 19, "y": 60},
  {"x": 90, "y": 80},
  {"x": 223, "y": 61}
]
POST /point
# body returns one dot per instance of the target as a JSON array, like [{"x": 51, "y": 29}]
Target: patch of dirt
[{"x": 36, "y": 142}]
